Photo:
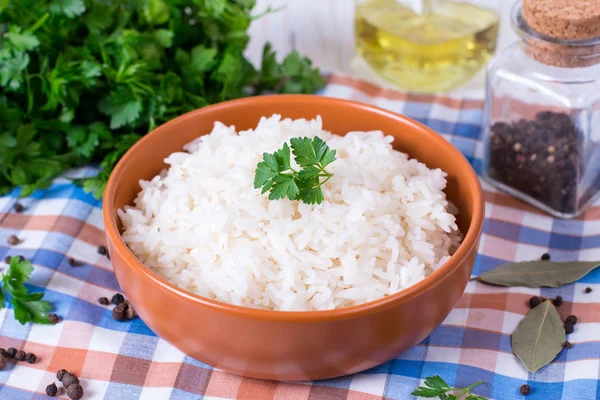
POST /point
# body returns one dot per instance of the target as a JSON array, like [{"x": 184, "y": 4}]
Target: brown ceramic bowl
[{"x": 283, "y": 345}]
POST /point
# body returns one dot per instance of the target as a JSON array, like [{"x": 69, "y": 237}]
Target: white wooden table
[{"x": 324, "y": 31}]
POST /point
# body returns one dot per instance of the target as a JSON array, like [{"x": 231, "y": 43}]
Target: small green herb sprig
[
  {"x": 29, "y": 307},
  {"x": 276, "y": 175},
  {"x": 437, "y": 387}
]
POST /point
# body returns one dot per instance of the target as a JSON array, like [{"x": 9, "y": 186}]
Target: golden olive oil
[{"x": 429, "y": 51}]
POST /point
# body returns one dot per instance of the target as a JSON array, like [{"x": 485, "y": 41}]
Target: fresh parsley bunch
[
  {"x": 81, "y": 81},
  {"x": 276, "y": 175},
  {"x": 28, "y": 307}
]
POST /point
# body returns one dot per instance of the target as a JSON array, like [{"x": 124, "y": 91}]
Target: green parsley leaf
[
  {"x": 28, "y": 307},
  {"x": 283, "y": 158},
  {"x": 215, "y": 8},
  {"x": 284, "y": 185},
  {"x": 264, "y": 174},
  {"x": 310, "y": 192},
  {"x": 435, "y": 386},
  {"x": 164, "y": 37},
  {"x": 156, "y": 12},
  {"x": 436, "y": 382},
  {"x": 122, "y": 106},
  {"x": 82, "y": 141},
  {"x": 271, "y": 161},
  {"x": 276, "y": 175},
  {"x": 202, "y": 58},
  {"x": 18, "y": 273},
  {"x": 89, "y": 70},
  {"x": 31, "y": 310},
  {"x": 305, "y": 150},
  {"x": 70, "y": 8},
  {"x": 22, "y": 41},
  {"x": 270, "y": 68},
  {"x": 309, "y": 172},
  {"x": 11, "y": 76},
  {"x": 97, "y": 184}
]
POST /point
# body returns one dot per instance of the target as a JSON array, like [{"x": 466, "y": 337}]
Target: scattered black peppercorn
[
  {"x": 3, "y": 362},
  {"x": 567, "y": 344},
  {"x": 75, "y": 391},
  {"x": 54, "y": 319},
  {"x": 558, "y": 301},
  {"x": 572, "y": 319},
  {"x": 73, "y": 262},
  {"x": 534, "y": 302},
  {"x": 69, "y": 379},
  {"x": 60, "y": 373},
  {"x": 525, "y": 390},
  {"x": 13, "y": 240},
  {"x": 117, "y": 299},
  {"x": 545, "y": 257},
  {"x": 588, "y": 289},
  {"x": 51, "y": 389},
  {"x": 119, "y": 312},
  {"x": 130, "y": 312},
  {"x": 30, "y": 358},
  {"x": 20, "y": 355},
  {"x": 18, "y": 207},
  {"x": 103, "y": 300},
  {"x": 569, "y": 327},
  {"x": 102, "y": 250},
  {"x": 11, "y": 352}
]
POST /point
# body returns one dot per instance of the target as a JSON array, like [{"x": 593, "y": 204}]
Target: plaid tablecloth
[{"x": 126, "y": 360}]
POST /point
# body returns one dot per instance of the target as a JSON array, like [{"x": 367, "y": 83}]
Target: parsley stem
[
  {"x": 269, "y": 10},
  {"x": 474, "y": 385},
  {"x": 39, "y": 23},
  {"x": 467, "y": 390},
  {"x": 325, "y": 181},
  {"x": 105, "y": 58},
  {"x": 29, "y": 94}
]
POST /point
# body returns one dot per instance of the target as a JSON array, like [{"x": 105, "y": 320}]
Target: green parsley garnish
[
  {"x": 437, "y": 387},
  {"x": 276, "y": 175},
  {"x": 82, "y": 80},
  {"x": 28, "y": 307}
]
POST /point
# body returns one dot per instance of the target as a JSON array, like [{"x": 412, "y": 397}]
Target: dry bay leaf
[
  {"x": 535, "y": 274},
  {"x": 539, "y": 337}
]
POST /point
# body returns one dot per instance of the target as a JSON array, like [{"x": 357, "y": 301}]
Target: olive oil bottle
[{"x": 431, "y": 48}]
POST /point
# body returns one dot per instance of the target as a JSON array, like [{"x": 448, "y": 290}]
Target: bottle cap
[{"x": 564, "y": 19}]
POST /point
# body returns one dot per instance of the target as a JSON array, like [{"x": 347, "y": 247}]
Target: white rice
[{"x": 385, "y": 223}]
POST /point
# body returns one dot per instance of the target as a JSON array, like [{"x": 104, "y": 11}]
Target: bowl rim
[{"x": 469, "y": 243}]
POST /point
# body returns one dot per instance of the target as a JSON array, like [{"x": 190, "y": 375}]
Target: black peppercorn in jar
[{"x": 542, "y": 117}]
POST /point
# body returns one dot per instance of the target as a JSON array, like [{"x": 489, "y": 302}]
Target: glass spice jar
[{"x": 542, "y": 114}]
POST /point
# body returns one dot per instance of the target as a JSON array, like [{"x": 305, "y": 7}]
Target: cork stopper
[
  {"x": 560, "y": 33},
  {"x": 564, "y": 19}
]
